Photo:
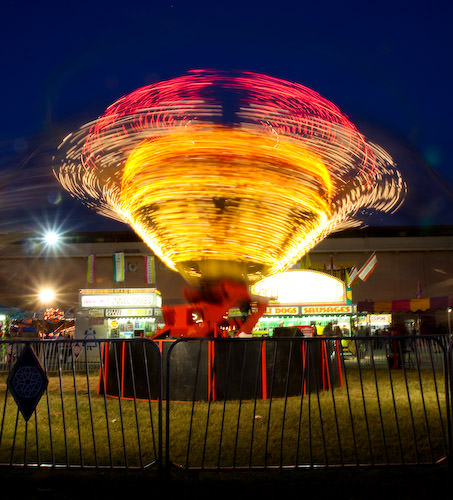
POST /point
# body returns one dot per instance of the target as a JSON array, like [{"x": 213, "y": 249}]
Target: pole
[{"x": 449, "y": 322}]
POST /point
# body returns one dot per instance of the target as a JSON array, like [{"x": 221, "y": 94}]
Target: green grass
[
  {"x": 313, "y": 429},
  {"x": 320, "y": 429}
]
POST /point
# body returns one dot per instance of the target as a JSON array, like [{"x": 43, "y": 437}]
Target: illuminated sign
[
  {"x": 302, "y": 287},
  {"x": 307, "y": 331},
  {"x": 115, "y": 313},
  {"x": 96, "y": 313},
  {"x": 383, "y": 319},
  {"x": 327, "y": 310},
  {"x": 282, "y": 310},
  {"x": 121, "y": 300}
]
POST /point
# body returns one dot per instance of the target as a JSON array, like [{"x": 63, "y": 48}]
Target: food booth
[
  {"x": 118, "y": 313},
  {"x": 315, "y": 302}
]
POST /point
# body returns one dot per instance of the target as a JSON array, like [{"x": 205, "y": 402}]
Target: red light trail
[{"x": 228, "y": 175}]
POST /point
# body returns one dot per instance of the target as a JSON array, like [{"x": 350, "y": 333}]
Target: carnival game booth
[{"x": 315, "y": 302}]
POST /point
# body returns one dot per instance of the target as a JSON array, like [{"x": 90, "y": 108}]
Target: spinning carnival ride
[{"x": 228, "y": 178}]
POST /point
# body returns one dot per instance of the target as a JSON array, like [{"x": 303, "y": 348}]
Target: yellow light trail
[{"x": 215, "y": 199}]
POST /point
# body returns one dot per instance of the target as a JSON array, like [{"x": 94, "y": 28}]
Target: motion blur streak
[{"x": 228, "y": 175}]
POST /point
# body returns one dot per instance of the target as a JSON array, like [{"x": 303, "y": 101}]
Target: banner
[
  {"x": 150, "y": 269},
  {"x": 91, "y": 273},
  {"x": 347, "y": 281},
  {"x": 368, "y": 267},
  {"x": 353, "y": 275},
  {"x": 118, "y": 266}
]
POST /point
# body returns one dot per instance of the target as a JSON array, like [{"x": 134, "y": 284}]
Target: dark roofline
[
  {"x": 363, "y": 232},
  {"x": 393, "y": 232},
  {"x": 102, "y": 237}
]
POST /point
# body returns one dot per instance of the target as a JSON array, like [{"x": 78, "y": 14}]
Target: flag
[
  {"x": 368, "y": 267},
  {"x": 118, "y": 266},
  {"x": 150, "y": 269},
  {"x": 91, "y": 272},
  {"x": 347, "y": 279},
  {"x": 353, "y": 275}
]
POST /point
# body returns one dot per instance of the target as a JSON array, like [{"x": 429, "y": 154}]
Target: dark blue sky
[{"x": 386, "y": 64}]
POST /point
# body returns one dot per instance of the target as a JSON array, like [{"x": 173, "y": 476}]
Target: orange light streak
[{"x": 216, "y": 198}]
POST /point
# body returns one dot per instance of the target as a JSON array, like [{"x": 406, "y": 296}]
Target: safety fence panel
[
  {"x": 307, "y": 402},
  {"x": 76, "y": 405},
  {"x": 231, "y": 403}
]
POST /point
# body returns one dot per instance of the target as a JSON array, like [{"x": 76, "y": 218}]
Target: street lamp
[
  {"x": 46, "y": 295},
  {"x": 51, "y": 238}
]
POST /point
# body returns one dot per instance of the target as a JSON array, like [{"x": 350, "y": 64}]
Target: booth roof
[{"x": 408, "y": 305}]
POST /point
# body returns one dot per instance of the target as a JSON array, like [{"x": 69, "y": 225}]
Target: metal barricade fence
[
  {"x": 308, "y": 402},
  {"x": 230, "y": 403},
  {"x": 77, "y": 423}
]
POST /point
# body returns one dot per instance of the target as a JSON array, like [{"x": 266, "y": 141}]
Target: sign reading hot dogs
[{"x": 282, "y": 310}]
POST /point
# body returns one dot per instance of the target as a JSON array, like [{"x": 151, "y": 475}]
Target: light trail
[{"x": 228, "y": 176}]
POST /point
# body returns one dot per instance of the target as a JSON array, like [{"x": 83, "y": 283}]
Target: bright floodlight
[
  {"x": 46, "y": 295},
  {"x": 51, "y": 238},
  {"x": 229, "y": 176}
]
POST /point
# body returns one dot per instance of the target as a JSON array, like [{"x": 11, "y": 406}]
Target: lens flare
[{"x": 231, "y": 176}]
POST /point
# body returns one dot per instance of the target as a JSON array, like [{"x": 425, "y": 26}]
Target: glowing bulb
[
  {"x": 51, "y": 238},
  {"x": 46, "y": 295}
]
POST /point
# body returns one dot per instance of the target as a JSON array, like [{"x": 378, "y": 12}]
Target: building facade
[{"x": 411, "y": 263}]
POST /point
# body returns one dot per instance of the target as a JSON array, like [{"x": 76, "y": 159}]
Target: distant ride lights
[{"x": 228, "y": 176}]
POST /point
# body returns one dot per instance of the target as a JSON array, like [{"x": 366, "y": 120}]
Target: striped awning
[{"x": 408, "y": 305}]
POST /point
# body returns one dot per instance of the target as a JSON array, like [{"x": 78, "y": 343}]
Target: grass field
[{"x": 382, "y": 417}]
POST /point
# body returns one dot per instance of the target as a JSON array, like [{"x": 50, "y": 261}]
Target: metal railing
[
  {"x": 264, "y": 403},
  {"x": 76, "y": 424},
  {"x": 327, "y": 402}
]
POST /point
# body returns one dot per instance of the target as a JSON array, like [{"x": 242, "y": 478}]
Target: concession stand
[
  {"x": 315, "y": 302},
  {"x": 118, "y": 313}
]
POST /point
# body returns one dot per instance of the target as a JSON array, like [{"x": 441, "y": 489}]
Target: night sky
[{"x": 386, "y": 65}]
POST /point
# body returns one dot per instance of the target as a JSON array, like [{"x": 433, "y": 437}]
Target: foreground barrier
[
  {"x": 229, "y": 403},
  {"x": 74, "y": 425}
]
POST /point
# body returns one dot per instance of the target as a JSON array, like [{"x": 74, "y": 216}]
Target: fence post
[{"x": 449, "y": 400}]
